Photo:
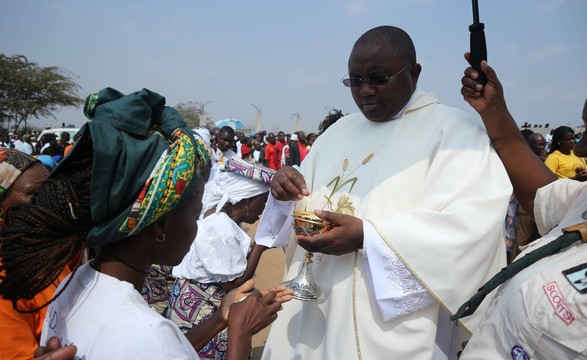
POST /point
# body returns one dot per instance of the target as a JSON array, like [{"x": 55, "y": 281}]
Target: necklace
[{"x": 133, "y": 267}]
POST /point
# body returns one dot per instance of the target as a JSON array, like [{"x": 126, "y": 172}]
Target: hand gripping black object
[{"x": 478, "y": 45}]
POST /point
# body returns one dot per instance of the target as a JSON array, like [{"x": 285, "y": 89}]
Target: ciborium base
[{"x": 303, "y": 286}]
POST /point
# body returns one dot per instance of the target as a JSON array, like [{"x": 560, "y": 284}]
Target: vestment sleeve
[
  {"x": 453, "y": 240},
  {"x": 397, "y": 291},
  {"x": 275, "y": 226}
]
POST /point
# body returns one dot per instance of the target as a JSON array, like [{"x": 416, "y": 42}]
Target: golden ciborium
[{"x": 304, "y": 287}]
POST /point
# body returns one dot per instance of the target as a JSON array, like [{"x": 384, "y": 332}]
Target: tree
[
  {"x": 193, "y": 113},
  {"x": 29, "y": 91},
  {"x": 331, "y": 118}
]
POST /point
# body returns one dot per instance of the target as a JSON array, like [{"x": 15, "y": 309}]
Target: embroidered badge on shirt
[
  {"x": 584, "y": 215},
  {"x": 557, "y": 301},
  {"x": 577, "y": 276},
  {"x": 518, "y": 353}
]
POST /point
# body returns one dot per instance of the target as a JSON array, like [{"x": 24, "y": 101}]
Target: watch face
[{"x": 577, "y": 276}]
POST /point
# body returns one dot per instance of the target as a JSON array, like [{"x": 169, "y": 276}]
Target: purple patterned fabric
[
  {"x": 250, "y": 170},
  {"x": 190, "y": 304},
  {"x": 157, "y": 287}
]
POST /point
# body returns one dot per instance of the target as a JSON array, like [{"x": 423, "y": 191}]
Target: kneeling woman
[
  {"x": 222, "y": 257},
  {"x": 130, "y": 187}
]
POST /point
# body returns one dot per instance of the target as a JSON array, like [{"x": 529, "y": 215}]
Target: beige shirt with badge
[{"x": 541, "y": 312}]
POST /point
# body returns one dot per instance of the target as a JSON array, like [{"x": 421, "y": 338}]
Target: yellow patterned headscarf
[{"x": 163, "y": 189}]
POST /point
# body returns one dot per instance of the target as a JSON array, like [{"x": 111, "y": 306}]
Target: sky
[{"x": 287, "y": 57}]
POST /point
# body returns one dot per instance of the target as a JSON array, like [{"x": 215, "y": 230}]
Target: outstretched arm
[
  {"x": 252, "y": 261},
  {"x": 245, "y": 311},
  {"x": 526, "y": 171}
]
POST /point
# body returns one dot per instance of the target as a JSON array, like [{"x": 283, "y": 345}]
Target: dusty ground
[{"x": 269, "y": 274}]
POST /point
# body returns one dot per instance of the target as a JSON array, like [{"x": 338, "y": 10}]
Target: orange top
[
  {"x": 67, "y": 149},
  {"x": 20, "y": 333}
]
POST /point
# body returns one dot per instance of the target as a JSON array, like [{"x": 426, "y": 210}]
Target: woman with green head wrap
[{"x": 131, "y": 187}]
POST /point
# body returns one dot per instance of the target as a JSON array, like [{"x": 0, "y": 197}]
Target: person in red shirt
[
  {"x": 270, "y": 152},
  {"x": 246, "y": 150},
  {"x": 302, "y": 145},
  {"x": 279, "y": 145}
]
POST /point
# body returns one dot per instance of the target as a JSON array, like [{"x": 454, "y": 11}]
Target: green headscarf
[{"x": 144, "y": 157}]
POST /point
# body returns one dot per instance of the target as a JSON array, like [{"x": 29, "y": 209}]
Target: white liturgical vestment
[{"x": 432, "y": 195}]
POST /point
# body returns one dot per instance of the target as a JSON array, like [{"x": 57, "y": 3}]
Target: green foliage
[
  {"x": 191, "y": 112},
  {"x": 331, "y": 118},
  {"x": 29, "y": 91}
]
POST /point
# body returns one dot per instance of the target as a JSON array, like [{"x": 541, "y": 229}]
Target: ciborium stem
[{"x": 303, "y": 285}]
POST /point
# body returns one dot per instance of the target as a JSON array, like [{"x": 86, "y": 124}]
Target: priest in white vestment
[{"x": 429, "y": 196}]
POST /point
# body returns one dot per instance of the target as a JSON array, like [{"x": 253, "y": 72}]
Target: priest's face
[{"x": 388, "y": 81}]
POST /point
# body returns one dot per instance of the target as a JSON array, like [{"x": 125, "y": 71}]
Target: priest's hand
[
  {"x": 346, "y": 236},
  {"x": 288, "y": 184}
]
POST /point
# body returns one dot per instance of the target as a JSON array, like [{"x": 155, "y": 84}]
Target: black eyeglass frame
[{"x": 375, "y": 80}]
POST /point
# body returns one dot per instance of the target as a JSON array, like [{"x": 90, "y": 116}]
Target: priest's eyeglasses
[{"x": 372, "y": 79}]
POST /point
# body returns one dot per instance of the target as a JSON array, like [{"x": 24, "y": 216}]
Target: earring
[{"x": 160, "y": 238}]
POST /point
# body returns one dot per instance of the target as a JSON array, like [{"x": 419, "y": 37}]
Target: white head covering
[
  {"x": 204, "y": 133},
  {"x": 230, "y": 187},
  {"x": 219, "y": 252}
]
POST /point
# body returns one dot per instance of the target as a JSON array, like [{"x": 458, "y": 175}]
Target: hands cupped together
[{"x": 252, "y": 310}]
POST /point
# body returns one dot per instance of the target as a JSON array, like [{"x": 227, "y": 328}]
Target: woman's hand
[
  {"x": 250, "y": 315},
  {"x": 281, "y": 294},
  {"x": 580, "y": 174},
  {"x": 236, "y": 295},
  {"x": 54, "y": 351},
  {"x": 255, "y": 312}
]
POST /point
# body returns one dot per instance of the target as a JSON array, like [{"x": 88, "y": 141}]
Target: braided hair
[{"x": 43, "y": 237}]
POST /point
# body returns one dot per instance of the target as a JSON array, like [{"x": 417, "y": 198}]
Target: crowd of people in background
[
  {"x": 556, "y": 150},
  {"x": 268, "y": 149},
  {"x": 49, "y": 148}
]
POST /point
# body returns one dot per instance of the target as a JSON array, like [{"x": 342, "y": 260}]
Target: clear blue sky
[{"x": 288, "y": 56}]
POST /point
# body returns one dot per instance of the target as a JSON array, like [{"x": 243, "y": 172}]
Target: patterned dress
[
  {"x": 157, "y": 287},
  {"x": 191, "y": 303}
]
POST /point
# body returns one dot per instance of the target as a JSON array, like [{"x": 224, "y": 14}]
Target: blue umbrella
[{"x": 233, "y": 123}]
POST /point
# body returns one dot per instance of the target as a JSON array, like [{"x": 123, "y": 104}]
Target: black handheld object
[{"x": 478, "y": 45}]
